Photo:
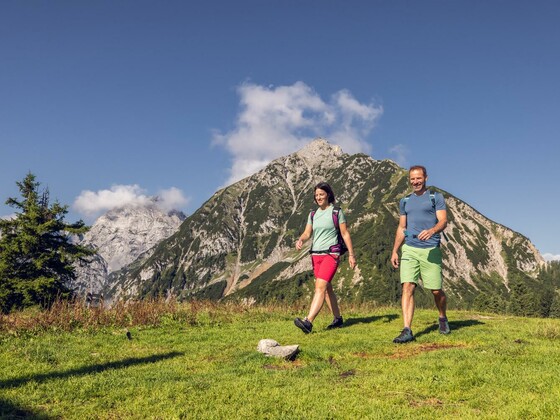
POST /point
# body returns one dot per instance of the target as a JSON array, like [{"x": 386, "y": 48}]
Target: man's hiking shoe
[
  {"x": 337, "y": 323},
  {"x": 304, "y": 324},
  {"x": 404, "y": 337},
  {"x": 444, "y": 326}
]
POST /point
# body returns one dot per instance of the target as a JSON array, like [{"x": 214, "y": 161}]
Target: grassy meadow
[{"x": 199, "y": 361}]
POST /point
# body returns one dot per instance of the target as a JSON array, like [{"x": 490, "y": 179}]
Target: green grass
[{"x": 206, "y": 366}]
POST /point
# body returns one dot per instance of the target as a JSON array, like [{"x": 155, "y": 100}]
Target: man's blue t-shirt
[{"x": 421, "y": 215}]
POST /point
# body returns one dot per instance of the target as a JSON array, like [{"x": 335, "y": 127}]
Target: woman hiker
[{"x": 325, "y": 254}]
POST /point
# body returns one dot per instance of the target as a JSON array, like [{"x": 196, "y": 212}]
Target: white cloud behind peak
[
  {"x": 275, "y": 121},
  {"x": 400, "y": 153},
  {"x": 91, "y": 203}
]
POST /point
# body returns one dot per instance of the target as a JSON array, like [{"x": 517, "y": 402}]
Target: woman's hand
[
  {"x": 299, "y": 244},
  {"x": 352, "y": 261}
]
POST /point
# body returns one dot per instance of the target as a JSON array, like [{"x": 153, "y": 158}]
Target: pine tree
[
  {"x": 555, "y": 307},
  {"x": 522, "y": 300},
  {"x": 36, "y": 251}
]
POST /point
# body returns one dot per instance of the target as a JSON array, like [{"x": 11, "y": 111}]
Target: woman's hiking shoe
[
  {"x": 444, "y": 326},
  {"x": 337, "y": 323},
  {"x": 404, "y": 337},
  {"x": 304, "y": 324}
]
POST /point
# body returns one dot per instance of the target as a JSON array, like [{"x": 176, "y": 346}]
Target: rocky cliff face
[
  {"x": 479, "y": 246},
  {"x": 120, "y": 236},
  {"x": 240, "y": 243}
]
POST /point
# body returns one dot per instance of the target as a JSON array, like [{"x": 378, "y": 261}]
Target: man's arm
[
  {"x": 439, "y": 226},
  {"x": 399, "y": 239}
]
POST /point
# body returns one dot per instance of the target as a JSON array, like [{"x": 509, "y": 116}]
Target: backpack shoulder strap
[
  {"x": 405, "y": 199},
  {"x": 433, "y": 198},
  {"x": 312, "y": 214},
  {"x": 335, "y": 211}
]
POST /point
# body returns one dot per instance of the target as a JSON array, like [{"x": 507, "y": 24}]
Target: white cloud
[
  {"x": 172, "y": 199},
  {"x": 400, "y": 153},
  {"x": 551, "y": 257},
  {"x": 92, "y": 203},
  {"x": 9, "y": 216},
  {"x": 275, "y": 121}
]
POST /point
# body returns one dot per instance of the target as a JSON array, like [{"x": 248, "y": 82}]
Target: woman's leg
[
  {"x": 318, "y": 298},
  {"x": 332, "y": 302}
]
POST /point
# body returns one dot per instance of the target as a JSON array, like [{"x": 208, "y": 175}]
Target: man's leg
[
  {"x": 409, "y": 271},
  {"x": 441, "y": 302},
  {"x": 407, "y": 302},
  {"x": 431, "y": 272}
]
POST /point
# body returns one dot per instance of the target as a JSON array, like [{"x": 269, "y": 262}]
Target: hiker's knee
[
  {"x": 321, "y": 285},
  {"x": 408, "y": 288},
  {"x": 439, "y": 293}
]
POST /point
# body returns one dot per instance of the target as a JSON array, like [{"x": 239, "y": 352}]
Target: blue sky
[{"x": 108, "y": 102}]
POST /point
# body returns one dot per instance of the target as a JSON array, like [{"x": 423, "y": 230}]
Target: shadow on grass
[
  {"x": 366, "y": 320},
  {"x": 86, "y": 370},
  {"x": 453, "y": 326},
  {"x": 10, "y": 411}
]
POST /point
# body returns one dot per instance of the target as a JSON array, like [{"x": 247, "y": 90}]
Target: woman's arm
[
  {"x": 348, "y": 241},
  {"x": 304, "y": 236}
]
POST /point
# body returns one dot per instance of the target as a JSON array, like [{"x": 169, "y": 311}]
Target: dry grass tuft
[
  {"x": 72, "y": 315},
  {"x": 547, "y": 329}
]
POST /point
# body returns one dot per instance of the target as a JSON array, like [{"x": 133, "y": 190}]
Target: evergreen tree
[
  {"x": 36, "y": 251},
  {"x": 550, "y": 293},
  {"x": 555, "y": 307},
  {"x": 490, "y": 302},
  {"x": 522, "y": 301},
  {"x": 550, "y": 274}
]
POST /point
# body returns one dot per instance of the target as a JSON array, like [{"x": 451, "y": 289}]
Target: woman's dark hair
[{"x": 327, "y": 188}]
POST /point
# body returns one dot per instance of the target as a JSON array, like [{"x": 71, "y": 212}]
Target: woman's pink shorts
[{"x": 324, "y": 266}]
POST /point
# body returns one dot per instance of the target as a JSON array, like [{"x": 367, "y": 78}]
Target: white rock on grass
[{"x": 272, "y": 348}]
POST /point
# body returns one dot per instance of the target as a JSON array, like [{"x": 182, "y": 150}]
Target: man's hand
[
  {"x": 395, "y": 260},
  {"x": 425, "y": 234}
]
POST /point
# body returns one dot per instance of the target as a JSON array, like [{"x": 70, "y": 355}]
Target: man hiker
[{"x": 423, "y": 216}]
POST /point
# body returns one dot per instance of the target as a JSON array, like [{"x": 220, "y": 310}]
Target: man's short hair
[{"x": 418, "y": 167}]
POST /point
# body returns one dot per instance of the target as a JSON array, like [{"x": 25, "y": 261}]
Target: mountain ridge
[{"x": 245, "y": 232}]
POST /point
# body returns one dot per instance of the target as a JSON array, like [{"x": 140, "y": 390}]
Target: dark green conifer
[{"x": 36, "y": 250}]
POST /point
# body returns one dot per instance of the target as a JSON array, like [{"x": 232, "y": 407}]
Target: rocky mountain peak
[
  {"x": 120, "y": 236},
  {"x": 320, "y": 152}
]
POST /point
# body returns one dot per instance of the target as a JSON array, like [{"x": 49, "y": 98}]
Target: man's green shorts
[{"x": 424, "y": 263}]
